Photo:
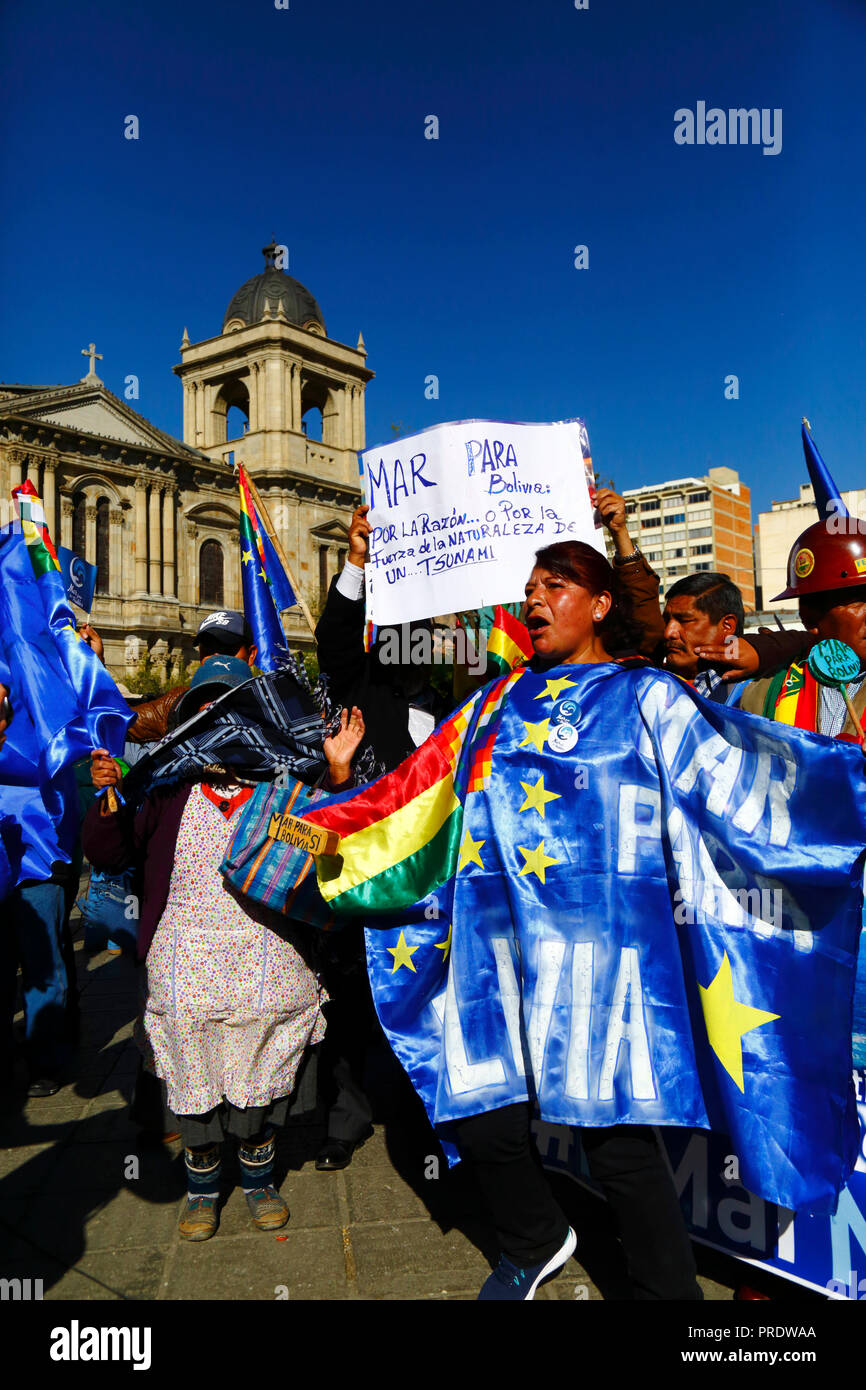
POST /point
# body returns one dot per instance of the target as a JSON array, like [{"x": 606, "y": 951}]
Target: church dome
[{"x": 272, "y": 290}]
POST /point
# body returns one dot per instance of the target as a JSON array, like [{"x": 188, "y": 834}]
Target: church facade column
[
  {"x": 168, "y": 505},
  {"x": 296, "y": 396},
  {"x": 49, "y": 501},
  {"x": 188, "y": 586},
  {"x": 362, "y": 427},
  {"x": 117, "y": 583},
  {"x": 253, "y": 388},
  {"x": 66, "y": 522},
  {"x": 141, "y": 535},
  {"x": 32, "y": 473},
  {"x": 344, "y": 397},
  {"x": 154, "y": 584},
  {"x": 198, "y": 413},
  {"x": 90, "y": 533}
]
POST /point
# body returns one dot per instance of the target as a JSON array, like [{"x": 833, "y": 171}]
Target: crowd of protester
[{"x": 236, "y": 998}]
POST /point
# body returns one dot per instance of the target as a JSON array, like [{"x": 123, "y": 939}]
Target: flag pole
[{"x": 268, "y": 525}]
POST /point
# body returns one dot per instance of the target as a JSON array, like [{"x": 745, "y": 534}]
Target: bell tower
[
  {"x": 272, "y": 391},
  {"x": 273, "y": 388}
]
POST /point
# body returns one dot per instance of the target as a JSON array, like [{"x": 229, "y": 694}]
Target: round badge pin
[
  {"x": 804, "y": 563},
  {"x": 561, "y": 738},
  {"x": 833, "y": 663},
  {"x": 566, "y": 712}
]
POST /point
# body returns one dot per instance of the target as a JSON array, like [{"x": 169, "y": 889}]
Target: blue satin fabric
[
  {"x": 673, "y": 815},
  {"x": 65, "y": 704}
]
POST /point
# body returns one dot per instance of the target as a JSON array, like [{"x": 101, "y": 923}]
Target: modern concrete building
[
  {"x": 690, "y": 524},
  {"x": 160, "y": 516}
]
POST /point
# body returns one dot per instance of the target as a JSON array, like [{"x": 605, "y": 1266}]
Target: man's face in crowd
[
  {"x": 686, "y": 628},
  {"x": 845, "y": 620},
  {"x": 243, "y": 653}
]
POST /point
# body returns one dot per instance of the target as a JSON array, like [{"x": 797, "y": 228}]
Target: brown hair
[{"x": 584, "y": 565}]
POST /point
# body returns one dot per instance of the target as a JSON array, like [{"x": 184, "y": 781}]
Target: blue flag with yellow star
[
  {"x": 631, "y": 906},
  {"x": 267, "y": 591}
]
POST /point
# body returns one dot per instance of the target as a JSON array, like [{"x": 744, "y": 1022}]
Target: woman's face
[{"x": 561, "y": 616}]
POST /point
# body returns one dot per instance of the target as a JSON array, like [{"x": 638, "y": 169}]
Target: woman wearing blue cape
[{"x": 574, "y": 618}]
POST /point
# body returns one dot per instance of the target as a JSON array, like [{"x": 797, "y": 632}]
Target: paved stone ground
[{"x": 91, "y": 1212}]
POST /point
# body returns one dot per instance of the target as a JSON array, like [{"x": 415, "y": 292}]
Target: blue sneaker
[{"x": 508, "y": 1282}]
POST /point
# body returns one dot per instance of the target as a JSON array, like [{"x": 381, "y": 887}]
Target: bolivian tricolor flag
[
  {"x": 508, "y": 642},
  {"x": 401, "y": 835}
]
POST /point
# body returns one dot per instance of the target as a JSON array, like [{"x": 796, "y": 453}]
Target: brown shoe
[
  {"x": 267, "y": 1208},
  {"x": 199, "y": 1219}
]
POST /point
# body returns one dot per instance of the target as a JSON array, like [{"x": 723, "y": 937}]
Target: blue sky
[{"x": 455, "y": 256}]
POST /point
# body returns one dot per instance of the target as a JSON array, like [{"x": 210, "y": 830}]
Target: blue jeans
[{"x": 32, "y": 937}]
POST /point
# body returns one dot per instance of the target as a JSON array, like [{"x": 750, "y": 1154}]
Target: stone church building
[{"x": 160, "y": 516}]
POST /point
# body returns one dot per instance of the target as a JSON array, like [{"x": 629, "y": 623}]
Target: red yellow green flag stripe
[
  {"x": 400, "y": 838},
  {"x": 43, "y": 556},
  {"x": 797, "y": 701},
  {"x": 508, "y": 643}
]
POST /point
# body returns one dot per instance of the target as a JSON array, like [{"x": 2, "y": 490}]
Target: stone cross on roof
[{"x": 91, "y": 379}]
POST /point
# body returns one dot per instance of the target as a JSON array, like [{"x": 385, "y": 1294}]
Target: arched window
[
  {"x": 79, "y": 524},
  {"x": 237, "y": 422},
  {"x": 311, "y": 424},
  {"x": 103, "y": 571},
  {"x": 210, "y": 572}
]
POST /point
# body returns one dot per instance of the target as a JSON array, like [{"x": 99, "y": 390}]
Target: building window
[
  {"x": 675, "y": 554},
  {"x": 676, "y": 519},
  {"x": 650, "y": 521},
  {"x": 210, "y": 571},
  {"x": 670, "y": 502},
  {"x": 703, "y": 515},
  {"x": 701, "y": 531},
  {"x": 698, "y": 497},
  {"x": 630, "y": 508},
  {"x": 701, "y": 550},
  {"x": 103, "y": 570},
  {"x": 331, "y": 560},
  {"x": 704, "y": 565},
  {"x": 652, "y": 506},
  {"x": 79, "y": 524}
]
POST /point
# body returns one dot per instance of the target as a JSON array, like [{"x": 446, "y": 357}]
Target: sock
[
  {"x": 202, "y": 1171},
  {"x": 256, "y": 1159}
]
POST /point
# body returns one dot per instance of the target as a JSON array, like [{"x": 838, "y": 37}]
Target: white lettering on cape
[
  {"x": 463, "y": 1075},
  {"x": 509, "y": 995},
  {"x": 634, "y": 1033},
  {"x": 550, "y": 956},
  {"x": 577, "y": 1060},
  {"x": 633, "y": 798}
]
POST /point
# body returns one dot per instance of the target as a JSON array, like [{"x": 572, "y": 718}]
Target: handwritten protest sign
[{"x": 458, "y": 512}]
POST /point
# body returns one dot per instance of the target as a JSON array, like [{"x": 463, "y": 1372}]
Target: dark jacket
[
  {"x": 358, "y": 678},
  {"x": 113, "y": 841}
]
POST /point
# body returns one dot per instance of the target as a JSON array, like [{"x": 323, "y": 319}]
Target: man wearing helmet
[{"x": 827, "y": 573}]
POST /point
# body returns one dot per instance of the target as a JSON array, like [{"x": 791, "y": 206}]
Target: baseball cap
[
  {"x": 212, "y": 679},
  {"x": 226, "y": 625}
]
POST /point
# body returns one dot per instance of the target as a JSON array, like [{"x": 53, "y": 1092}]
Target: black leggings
[{"x": 626, "y": 1160}]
